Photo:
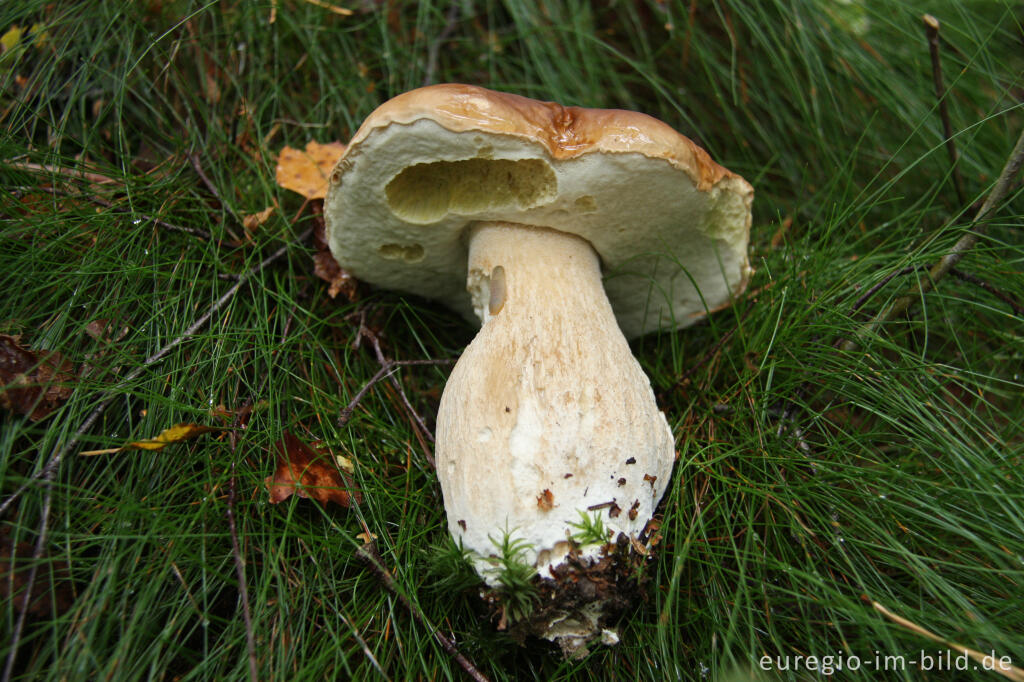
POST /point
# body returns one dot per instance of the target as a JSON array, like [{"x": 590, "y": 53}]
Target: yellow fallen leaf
[
  {"x": 344, "y": 463},
  {"x": 41, "y": 36},
  {"x": 308, "y": 172},
  {"x": 175, "y": 434},
  {"x": 10, "y": 39}
]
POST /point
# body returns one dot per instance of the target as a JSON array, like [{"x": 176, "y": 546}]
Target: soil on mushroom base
[{"x": 618, "y": 580}]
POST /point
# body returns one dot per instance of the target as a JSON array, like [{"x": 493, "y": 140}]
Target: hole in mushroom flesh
[
  {"x": 410, "y": 253},
  {"x": 427, "y": 192}
]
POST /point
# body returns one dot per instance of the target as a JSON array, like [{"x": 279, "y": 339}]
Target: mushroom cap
[{"x": 670, "y": 225}]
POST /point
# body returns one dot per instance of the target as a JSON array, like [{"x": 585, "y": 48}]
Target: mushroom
[{"x": 562, "y": 231}]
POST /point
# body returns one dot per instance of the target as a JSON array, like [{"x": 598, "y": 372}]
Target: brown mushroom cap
[{"x": 670, "y": 225}]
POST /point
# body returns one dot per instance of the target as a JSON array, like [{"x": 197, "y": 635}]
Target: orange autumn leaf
[
  {"x": 175, "y": 434},
  {"x": 313, "y": 475},
  {"x": 308, "y": 172}
]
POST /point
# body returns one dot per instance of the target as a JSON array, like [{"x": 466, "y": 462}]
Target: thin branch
[
  {"x": 73, "y": 173},
  {"x": 198, "y": 168},
  {"x": 368, "y": 554},
  {"x": 989, "y": 660},
  {"x": 26, "y": 600},
  {"x": 869, "y": 294},
  {"x": 451, "y": 19},
  {"x": 423, "y": 433},
  {"x": 193, "y": 159},
  {"x": 931, "y": 27},
  {"x": 398, "y": 387},
  {"x": 1006, "y": 298},
  {"x": 387, "y": 370},
  {"x": 366, "y": 649},
  {"x": 194, "y": 231},
  {"x": 243, "y": 589},
  {"x": 99, "y": 201},
  {"x": 956, "y": 254}
]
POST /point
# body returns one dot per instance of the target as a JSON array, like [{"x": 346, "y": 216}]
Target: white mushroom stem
[{"x": 547, "y": 414}]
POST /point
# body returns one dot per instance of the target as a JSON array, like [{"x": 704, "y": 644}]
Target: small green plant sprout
[
  {"x": 451, "y": 566},
  {"x": 514, "y": 573},
  {"x": 590, "y": 530}
]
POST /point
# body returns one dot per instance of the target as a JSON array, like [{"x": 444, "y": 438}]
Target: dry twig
[
  {"x": 955, "y": 255},
  {"x": 243, "y": 589},
  {"x": 368, "y": 554},
  {"x": 451, "y": 19},
  {"x": 987, "y": 661},
  {"x": 1003, "y": 296},
  {"x": 931, "y": 27},
  {"x": 366, "y": 649}
]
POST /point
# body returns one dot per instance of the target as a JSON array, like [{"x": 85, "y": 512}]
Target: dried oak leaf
[
  {"x": 338, "y": 279},
  {"x": 308, "y": 172},
  {"x": 307, "y": 473},
  {"x": 175, "y": 434},
  {"x": 32, "y": 382},
  {"x": 326, "y": 267}
]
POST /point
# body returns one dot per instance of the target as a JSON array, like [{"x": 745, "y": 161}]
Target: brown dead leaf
[
  {"x": 326, "y": 267},
  {"x": 546, "y": 500},
  {"x": 314, "y": 475},
  {"x": 338, "y": 279},
  {"x": 106, "y": 330},
  {"x": 307, "y": 172},
  {"x": 52, "y": 591},
  {"x": 32, "y": 382},
  {"x": 175, "y": 434},
  {"x": 255, "y": 220}
]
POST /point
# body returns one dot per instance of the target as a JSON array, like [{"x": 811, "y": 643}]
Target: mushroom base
[{"x": 582, "y": 600}]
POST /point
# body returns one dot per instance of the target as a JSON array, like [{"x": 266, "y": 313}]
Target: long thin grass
[{"x": 812, "y": 481}]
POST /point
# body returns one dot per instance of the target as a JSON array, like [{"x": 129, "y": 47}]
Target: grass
[{"x": 811, "y": 481}]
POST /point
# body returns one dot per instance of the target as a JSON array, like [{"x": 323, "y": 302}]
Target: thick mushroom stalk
[{"x": 547, "y": 416}]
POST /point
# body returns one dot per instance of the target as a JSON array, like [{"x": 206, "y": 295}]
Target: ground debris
[
  {"x": 309, "y": 473},
  {"x": 52, "y": 589},
  {"x": 616, "y": 581},
  {"x": 32, "y": 382}
]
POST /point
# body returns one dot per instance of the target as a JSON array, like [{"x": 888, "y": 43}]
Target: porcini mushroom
[{"x": 511, "y": 211}]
